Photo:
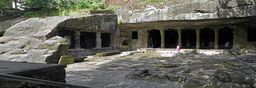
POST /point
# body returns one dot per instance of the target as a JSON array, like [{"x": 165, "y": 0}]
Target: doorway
[
  {"x": 171, "y": 38},
  {"x": 154, "y": 39},
  {"x": 88, "y": 40},
  {"x": 207, "y": 38},
  {"x": 106, "y": 39},
  {"x": 188, "y": 38},
  {"x": 226, "y": 38}
]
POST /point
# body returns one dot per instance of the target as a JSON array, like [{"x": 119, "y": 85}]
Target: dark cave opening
[
  {"x": 105, "y": 39},
  {"x": 207, "y": 38},
  {"x": 226, "y": 38},
  {"x": 154, "y": 39},
  {"x": 251, "y": 35},
  {"x": 188, "y": 39},
  {"x": 88, "y": 40},
  {"x": 171, "y": 38}
]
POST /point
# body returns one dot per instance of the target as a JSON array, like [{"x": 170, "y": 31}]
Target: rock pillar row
[
  {"x": 198, "y": 39},
  {"x": 216, "y": 40},
  {"x": 77, "y": 39},
  {"x": 98, "y": 40},
  {"x": 179, "y": 33},
  {"x": 162, "y": 38}
]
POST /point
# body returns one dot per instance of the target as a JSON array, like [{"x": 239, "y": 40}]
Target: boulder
[
  {"x": 35, "y": 39},
  {"x": 32, "y": 41}
]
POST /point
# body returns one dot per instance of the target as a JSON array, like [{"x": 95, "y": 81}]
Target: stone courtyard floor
[{"x": 157, "y": 70}]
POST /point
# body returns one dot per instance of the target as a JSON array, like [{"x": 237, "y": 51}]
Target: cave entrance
[
  {"x": 171, "y": 38},
  {"x": 188, "y": 39},
  {"x": 251, "y": 37},
  {"x": 105, "y": 39},
  {"x": 1, "y": 34},
  {"x": 88, "y": 40},
  {"x": 154, "y": 39},
  {"x": 69, "y": 36},
  {"x": 226, "y": 38},
  {"x": 207, "y": 38}
]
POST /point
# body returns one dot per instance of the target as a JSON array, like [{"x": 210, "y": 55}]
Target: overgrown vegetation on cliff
[
  {"x": 61, "y": 7},
  {"x": 64, "y": 4}
]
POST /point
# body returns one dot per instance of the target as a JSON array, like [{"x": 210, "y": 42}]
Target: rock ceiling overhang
[{"x": 190, "y": 23}]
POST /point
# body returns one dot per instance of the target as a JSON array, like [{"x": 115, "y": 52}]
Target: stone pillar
[
  {"x": 197, "y": 39},
  {"x": 98, "y": 40},
  {"x": 216, "y": 40},
  {"x": 162, "y": 38},
  {"x": 68, "y": 38},
  {"x": 77, "y": 40},
  {"x": 180, "y": 33},
  {"x": 146, "y": 34}
]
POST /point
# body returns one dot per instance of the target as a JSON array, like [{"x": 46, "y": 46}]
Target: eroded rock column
[
  {"x": 162, "y": 38},
  {"x": 98, "y": 40},
  {"x": 68, "y": 38},
  {"x": 216, "y": 40},
  {"x": 179, "y": 33},
  {"x": 197, "y": 39},
  {"x": 77, "y": 39}
]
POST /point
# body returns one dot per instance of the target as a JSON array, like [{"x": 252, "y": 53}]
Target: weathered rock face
[
  {"x": 27, "y": 41},
  {"x": 32, "y": 49},
  {"x": 188, "y": 10},
  {"x": 35, "y": 40},
  {"x": 7, "y": 24}
]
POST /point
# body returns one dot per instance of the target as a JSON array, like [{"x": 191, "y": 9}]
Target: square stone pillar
[
  {"x": 180, "y": 34},
  {"x": 216, "y": 40},
  {"x": 68, "y": 38},
  {"x": 77, "y": 40},
  {"x": 98, "y": 40},
  {"x": 145, "y": 40},
  {"x": 162, "y": 38},
  {"x": 197, "y": 39}
]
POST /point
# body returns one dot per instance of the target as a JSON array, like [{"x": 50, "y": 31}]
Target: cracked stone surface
[{"x": 151, "y": 70}]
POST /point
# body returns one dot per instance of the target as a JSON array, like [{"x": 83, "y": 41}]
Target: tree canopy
[{"x": 5, "y": 3}]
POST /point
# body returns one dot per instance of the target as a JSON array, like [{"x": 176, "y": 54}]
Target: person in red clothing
[{"x": 178, "y": 48}]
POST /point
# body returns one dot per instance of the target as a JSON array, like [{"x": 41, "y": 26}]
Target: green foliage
[
  {"x": 46, "y": 13},
  {"x": 42, "y": 8},
  {"x": 5, "y": 3},
  {"x": 64, "y": 4}
]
